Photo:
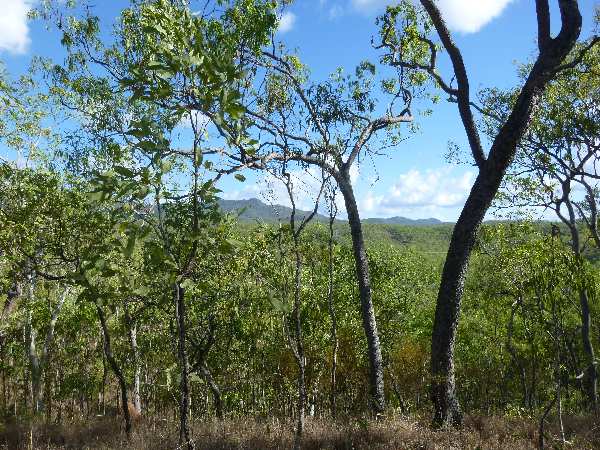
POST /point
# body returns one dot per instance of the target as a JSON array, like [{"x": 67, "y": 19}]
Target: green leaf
[
  {"x": 130, "y": 247},
  {"x": 128, "y": 173}
]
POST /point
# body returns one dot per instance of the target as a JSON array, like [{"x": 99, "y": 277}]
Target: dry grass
[{"x": 269, "y": 434}]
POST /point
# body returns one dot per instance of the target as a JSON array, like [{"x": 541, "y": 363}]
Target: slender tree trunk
[
  {"x": 591, "y": 375},
  {"x": 104, "y": 377},
  {"x": 376, "y": 386},
  {"x": 114, "y": 365},
  {"x": 35, "y": 368},
  {"x": 214, "y": 389},
  {"x": 185, "y": 438},
  {"x": 132, "y": 331},
  {"x": 48, "y": 381},
  {"x": 331, "y": 306},
  {"x": 299, "y": 353}
]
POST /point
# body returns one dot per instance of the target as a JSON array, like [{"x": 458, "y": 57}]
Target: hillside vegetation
[{"x": 140, "y": 309}]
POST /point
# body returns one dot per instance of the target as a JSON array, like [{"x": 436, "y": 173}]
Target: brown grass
[{"x": 270, "y": 434}]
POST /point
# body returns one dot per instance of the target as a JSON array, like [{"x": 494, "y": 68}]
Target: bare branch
[{"x": 462, "y": 94}]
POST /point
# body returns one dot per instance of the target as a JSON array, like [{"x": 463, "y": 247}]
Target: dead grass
[{"x": 270, "y": 434}]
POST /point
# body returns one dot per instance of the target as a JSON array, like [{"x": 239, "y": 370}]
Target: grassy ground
[{"x": 400, "y": 433}]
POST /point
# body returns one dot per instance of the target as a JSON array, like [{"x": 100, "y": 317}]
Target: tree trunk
[
  {"x": 299, "y": 353},
  {"x": 132, "y": 331},
  {"x": 447, "y": 409},
  {"x": 377, "y": 398},
  {"x": 591, "y": 378},
  {"x": 552, "y": 52},
  {"x": 331, "y": 306},
  {"x": 116, "y": 370},
  {"x": 214, "y": 388},
  {"x": 184, "y": 402},
  {"x": 35, "y": 369}
]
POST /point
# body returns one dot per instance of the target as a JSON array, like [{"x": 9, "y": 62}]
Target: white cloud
[
  {"x": 470, "y": 16},
  {"x": 467, "y": 16},
  {"x": 435, "y": 192},
  {"x": 14, "y": 29},
  {"x": 286, "y": 22}
]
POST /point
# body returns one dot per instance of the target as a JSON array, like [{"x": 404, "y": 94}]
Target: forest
[{"x": 136, "y": 313}]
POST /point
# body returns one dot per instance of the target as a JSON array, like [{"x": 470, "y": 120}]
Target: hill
[{"x": 256, "y": 210}]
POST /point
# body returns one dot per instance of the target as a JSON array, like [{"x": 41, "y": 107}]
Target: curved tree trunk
[
  {"x": 214, "y": 388},
  {"x": 447, "y": 409},
  {"x": 114, "y": 365},
  {"x": 377, "y": 398},
  {"x": 552, "y": 52}
]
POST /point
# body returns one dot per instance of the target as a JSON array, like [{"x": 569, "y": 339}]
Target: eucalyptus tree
[
  {"x": 556, "y": 168},
  {"x": 296, "y": 227},
  {"x": 54, "y": 232},
  {"x": 166, "y": 65},
  {"x": 407, "y": 42},
  {"x": 329, "y": 125},
  {"x": 330, "y": 199}
]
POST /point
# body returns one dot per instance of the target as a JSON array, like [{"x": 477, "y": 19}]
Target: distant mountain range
[
  {"x": 399, "y": 220},
  {"x": 254, "y": 209}
]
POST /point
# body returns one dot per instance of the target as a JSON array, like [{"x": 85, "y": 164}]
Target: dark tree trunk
[
  {"x": 114, "y": 365},
  {"x": 591, "y": 378},
  {"x": 184, "y": 403},
  {"x": 491, "y": 172},
  {"x": 377, "y": 398},
  {"x": 447, "y": 409},
  {"x": 214, "y": 389}
]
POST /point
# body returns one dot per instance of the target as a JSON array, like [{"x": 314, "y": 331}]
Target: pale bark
[
  {"x": 185, "y": 438},
  {"x": 376, "y": 386}
]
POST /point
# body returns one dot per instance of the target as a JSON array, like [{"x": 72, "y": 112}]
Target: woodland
[{"x": 135, "y": 313}]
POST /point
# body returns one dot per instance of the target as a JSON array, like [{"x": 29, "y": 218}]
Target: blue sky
[{"x": 415, "y": 180}]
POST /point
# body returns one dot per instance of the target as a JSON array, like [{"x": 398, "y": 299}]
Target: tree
[
  {"x": 329, "y": 125},
  {"x": 166, "y": 65},
  {"x": 405, "y": 36}
]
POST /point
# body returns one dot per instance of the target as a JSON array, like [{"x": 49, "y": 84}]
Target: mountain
[
  {"x": 398, "y": 220},
  {"x": 254, "y": 209}
]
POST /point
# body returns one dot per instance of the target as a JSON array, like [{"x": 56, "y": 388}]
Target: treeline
[
  {"x": 520, "y": 313},
  {"x": 68, "y": 338},
  {"x": 126, "y": 286}
]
